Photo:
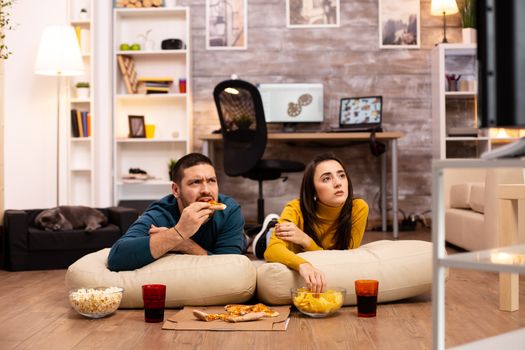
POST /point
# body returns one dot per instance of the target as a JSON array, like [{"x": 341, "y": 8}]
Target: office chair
[{"x": 243, "y": 128}]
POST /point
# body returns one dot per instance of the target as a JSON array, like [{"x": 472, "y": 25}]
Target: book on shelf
[
  {"x": 127, "y": 69},
  {"x": 80, "y": 124},
  {"x": 74, "y": 124},
  {"x": 89, "y": 123},
  {"x": 157, "y": 90},
  {"x": 84, "y": 124},
  {"x": 162, "y": 84},
  {"x": 168, "y": 80}
]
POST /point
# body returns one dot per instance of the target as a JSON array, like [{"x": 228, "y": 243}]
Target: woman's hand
[
  {"x": 315, "y": 279},
  {"x": 287, "y": 231}
]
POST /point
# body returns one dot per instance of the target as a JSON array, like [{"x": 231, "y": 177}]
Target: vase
[
  {"x": 82, "y": 93},
  {"x": 469, "y": 35}
]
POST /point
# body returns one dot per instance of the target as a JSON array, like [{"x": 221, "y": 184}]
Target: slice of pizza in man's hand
[{"x": 214, "y": 205}]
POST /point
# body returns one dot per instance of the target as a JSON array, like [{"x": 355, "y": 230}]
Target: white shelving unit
[
  {"x": 170, "y": 113},
  {"x": 81, "y": 172},
  {"x": 458, "y": 109},
  {"x": 506, "y": 259}
]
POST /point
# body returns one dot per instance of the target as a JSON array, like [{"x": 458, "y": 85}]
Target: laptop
[{"x": 360, "y": 114}]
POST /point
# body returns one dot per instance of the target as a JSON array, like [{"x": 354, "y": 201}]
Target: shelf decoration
[{"x": 127, "y": 69}]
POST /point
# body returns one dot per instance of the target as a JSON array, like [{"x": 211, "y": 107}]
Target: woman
[{"x": 326, "y": 216}]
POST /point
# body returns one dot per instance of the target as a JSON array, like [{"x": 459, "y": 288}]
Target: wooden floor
[{"x": 35, "y": 314}]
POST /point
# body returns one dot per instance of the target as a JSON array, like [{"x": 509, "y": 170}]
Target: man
[{"x": 184, "y": 221}]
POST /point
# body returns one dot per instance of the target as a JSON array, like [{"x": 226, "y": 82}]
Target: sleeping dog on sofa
[{"x": 65, "y": 218}]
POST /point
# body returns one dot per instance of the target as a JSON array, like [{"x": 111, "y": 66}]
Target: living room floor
[{"x": 36, "y": 315}]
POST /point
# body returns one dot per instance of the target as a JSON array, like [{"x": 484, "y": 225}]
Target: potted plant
[
  {"x": 82, "y": 89},
  {"x": 171, "y": 164},
  {"x": 467, "y": 10},
  {"x": 243, "y": 121},
  {"x": 4, "y": 25}
]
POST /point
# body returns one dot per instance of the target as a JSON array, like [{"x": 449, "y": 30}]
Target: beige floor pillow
[
  {"x": 403, "y": 268},
  {"x": 190, "y": 280}
]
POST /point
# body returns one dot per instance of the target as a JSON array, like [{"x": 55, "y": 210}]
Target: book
[
  {"x": 84, "y": 124},
  {"x": 151, "y": 84},
  {"x": 74, "y": 124},
  {"x": 89, "y": 123},
  {"x": 79, "y": 123},
  {"x": 160, "y": 89},
  {"x": 156, "y": 79}
]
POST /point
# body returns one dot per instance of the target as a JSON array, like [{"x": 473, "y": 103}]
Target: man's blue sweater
[{"x": 222, "y": 234}]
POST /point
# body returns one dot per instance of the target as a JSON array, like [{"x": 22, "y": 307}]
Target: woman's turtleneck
[{"x": 328, "y": 213}]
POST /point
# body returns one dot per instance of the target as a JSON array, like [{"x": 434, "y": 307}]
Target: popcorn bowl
[
  {"x": 318, "y": 304},
  {"x": 95, "y": 302}
]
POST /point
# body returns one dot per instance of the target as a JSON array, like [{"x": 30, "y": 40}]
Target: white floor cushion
[
  {"x": 190, "y": 279},
  {"x": 403, "y": 268}
]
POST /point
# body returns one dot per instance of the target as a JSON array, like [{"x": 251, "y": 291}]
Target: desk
[{"x": 331, "y": 137}]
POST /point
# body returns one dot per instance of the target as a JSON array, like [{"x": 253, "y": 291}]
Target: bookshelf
[
  {"x": 80, "y": 152},
  {"x": 169, "y": 112},
  {"x": 455, "y": 132}
]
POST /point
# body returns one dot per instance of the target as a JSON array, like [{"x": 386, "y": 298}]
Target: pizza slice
[
  {"x": 214, "y": 205},
  {"x": 239, "y": 310},
  {"x": 203, "y": 316}
]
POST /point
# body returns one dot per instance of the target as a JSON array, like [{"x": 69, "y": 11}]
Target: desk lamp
[
  {"x": 444, "y": 8},
  {"x": 59, "y": 55}
]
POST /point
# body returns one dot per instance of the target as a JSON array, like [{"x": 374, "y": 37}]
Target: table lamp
[
  {"x": 59, "y": 55},
  {"x": 444, "y": 8}
]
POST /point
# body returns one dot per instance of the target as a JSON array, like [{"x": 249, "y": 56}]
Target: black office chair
[{"x": 243, "y": 128}]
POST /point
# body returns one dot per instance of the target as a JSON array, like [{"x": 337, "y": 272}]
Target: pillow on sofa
[
  {"x": 403, "y": 268},
  {"x": 477, "y": 197},
  {"x": 190, "y": 279},
  {"x": 460, "y": 196}
]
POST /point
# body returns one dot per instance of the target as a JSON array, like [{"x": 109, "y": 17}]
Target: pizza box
[{"x": 184, "y": 320}]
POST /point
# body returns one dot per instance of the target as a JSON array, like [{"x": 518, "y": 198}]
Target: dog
[{"x": 65, "y": 218}]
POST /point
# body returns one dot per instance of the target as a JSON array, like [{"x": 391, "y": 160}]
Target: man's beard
[{"x": 185, "y": 202}]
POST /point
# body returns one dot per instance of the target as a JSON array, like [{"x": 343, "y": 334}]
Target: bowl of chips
[
  {"x": 95, "y": 302},
  {"x": 318, "y": 304}
]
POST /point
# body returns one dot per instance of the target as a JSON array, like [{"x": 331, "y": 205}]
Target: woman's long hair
[{"x": 309, "y": 205}]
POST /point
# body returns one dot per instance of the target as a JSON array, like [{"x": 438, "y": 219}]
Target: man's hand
[
  {"x": 163, "y": 238},
  {"x": 192, "y": 218},
  {"x": 315, "y": 279},
  {"x": 289, "y": 232}
]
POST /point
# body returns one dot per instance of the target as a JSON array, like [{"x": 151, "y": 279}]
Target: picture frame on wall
[
  {"x": 399, "y": 24},
  {"x": 137, "y": 127},
  {"x": 226, "y": 24},
  {"x": 312, "y": 13}
]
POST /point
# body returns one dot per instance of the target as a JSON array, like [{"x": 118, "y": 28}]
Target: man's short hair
[{"x": 189, "y": 160}]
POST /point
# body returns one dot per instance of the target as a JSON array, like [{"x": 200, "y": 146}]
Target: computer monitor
[{"x": 292, "y": 103}]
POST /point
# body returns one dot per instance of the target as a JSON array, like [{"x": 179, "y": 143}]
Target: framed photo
[
  {"x": 226, "y": 24},
  {"x": 312, "y": 13},
  {"x": 137, "y": 128},
  {"x": 399, "y": 23}
]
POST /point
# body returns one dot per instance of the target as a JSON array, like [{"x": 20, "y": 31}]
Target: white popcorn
[{"x": 96, "y": 300}]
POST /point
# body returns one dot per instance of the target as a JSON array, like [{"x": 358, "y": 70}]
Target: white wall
[{"x": 30, "y": 110}]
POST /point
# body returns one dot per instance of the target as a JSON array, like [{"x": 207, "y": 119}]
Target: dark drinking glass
[
  {"x": 154, "y": 297},
  {"x": 366, "y": 293}
]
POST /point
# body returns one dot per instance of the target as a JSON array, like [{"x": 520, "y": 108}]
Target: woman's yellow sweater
[{"x": 285, "y": 252}]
